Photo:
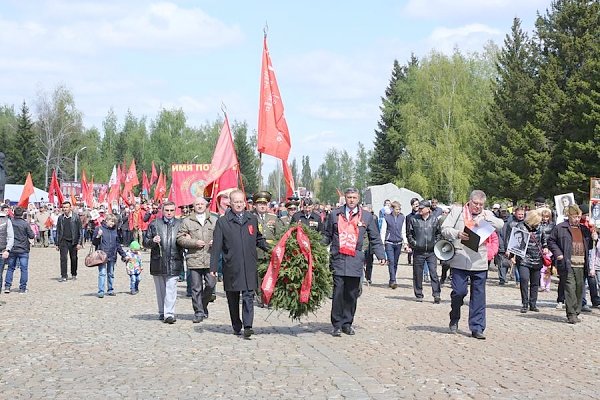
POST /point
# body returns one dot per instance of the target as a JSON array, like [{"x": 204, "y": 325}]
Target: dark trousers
[
  {"x": 392, "y": 251},
  {"x": 446, "y": 272},
  {"x": 460, "y": 285},
  {"x": 201, "y": 284},
  {"x": 562, "y": 281},
  {"x": 345, "y": 294},
  {"x": 503, "y": 264},
  {"x": 233, "y": 301},
  {"x": 419, "y": 259},
  {"x": 369, "y": 265},
  {"x": 70, "y": 249},
  {"x": 530, "y": 279},
  {"x": 573, "y": 290}
]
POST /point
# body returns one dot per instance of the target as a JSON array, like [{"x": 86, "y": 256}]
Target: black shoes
[
  {"x": 572, "y": 319},
  {"x": 393, "y": 285},
  {"x": 534, "y": 309},
  {"x": 348, "y": 330},
  {"x": 523, "y": 309},
  {"x": 198, "y": 319},
  {"x": 170, "y": 320},
  {"x": 478, "y": 335},
  {"x": 337, "y": 332},
  {"x": 248, "y": 332},
  {"x": 436, "y": 300}
]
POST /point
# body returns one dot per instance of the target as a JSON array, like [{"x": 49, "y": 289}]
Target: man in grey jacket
[
  {"x": 20, "y": 251},
  {"x": 468, "y": 265}
]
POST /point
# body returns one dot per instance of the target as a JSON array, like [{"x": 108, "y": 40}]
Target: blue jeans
[
  {"x": 12, "y": 264},
  {"x": 392, "y": 251},
  {"x": 134, "y": 281},
  {"x": 106, "y": 269}
]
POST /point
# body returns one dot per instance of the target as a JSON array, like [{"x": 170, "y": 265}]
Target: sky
[{"x": 332, "y": 59}]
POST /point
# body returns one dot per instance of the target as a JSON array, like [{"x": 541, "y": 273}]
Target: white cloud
[
  {"x": 470, "y": 37},
  {"x": 91, "y": 28},
  {"x": 467, "y": 9}
]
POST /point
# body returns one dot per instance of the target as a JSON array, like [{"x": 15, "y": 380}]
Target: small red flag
[
  {"x": 273, "y": 135},
  {"x": 145, "y": 182},
  {"x": 54, "y": 190},
  {"x": 289, "y": 178},
  {"x": 28, "y": 190},
  {"x": 153, "y": 175},
  {"x": 161, "y": 188},
  {"x": 84, "y": 188},
  {"x": 131, "y": 178}
]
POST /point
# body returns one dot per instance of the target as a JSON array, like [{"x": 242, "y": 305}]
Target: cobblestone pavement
[{"x": 61, "y": 341}]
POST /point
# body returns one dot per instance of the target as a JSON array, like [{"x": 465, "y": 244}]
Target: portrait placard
[{"x": 517, "y": 243}]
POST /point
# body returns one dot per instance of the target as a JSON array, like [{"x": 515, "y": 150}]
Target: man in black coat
[
  {"x": 237, "y": 236},
  {"x": 345, "y": 230},
  {"x": 68, "y": 240},
  {"x": 308, "y": 217}
]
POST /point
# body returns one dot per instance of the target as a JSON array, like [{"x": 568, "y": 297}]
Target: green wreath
[{"x": 294, "y": 265}]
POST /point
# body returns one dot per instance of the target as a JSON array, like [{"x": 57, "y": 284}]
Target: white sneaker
[{"x": 560, "y": 306}]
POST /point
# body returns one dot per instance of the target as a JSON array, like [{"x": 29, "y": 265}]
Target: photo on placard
[
  {"x": 595, "y": 213},
  {"x": 562, "y": 202},
  {"x": 595, "y": 189},
  {"x": 517, "y": 243}
]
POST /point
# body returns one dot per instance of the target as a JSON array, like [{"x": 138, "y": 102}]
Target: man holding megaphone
[{"x": 468, "y": 265}]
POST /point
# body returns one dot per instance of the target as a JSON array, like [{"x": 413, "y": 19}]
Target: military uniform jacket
[
  {"x": 313, "y": 220},
  {"x": 271, "y": 227},
  {"x": 238, "y": 242}
]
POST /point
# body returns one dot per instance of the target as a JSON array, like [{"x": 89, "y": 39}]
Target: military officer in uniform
[
  {"x": 308, "y": 217},
  {"x": 291, "y": 206},
  {"x": 269, "y": 225}
]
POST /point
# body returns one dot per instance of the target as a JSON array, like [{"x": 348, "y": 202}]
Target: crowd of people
[{"x": 204, "y": 247}]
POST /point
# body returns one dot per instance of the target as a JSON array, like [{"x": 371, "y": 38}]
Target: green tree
[
  {"x": 568, "y": 102},
  {"x": 361, "y": 168},
  {"x": 334, "y": 174},
  {"x": 516, "y": 152},
  {"x": 306, "y": 178},
  {"x": 27, "y": 158},
  {"x": 247, "y": 157},
  {"x": 390, "y": 141},
  {"x": 443, "y": 125},
  {"x": 8, "y": 128},
  {"x": 295, "y": 176}
]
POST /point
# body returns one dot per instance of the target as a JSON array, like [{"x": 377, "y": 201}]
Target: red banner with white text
[{"x": 188, "y": 181}]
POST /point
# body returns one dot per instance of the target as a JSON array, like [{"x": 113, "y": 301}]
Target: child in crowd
[
  {"x": 134, "y": 266},
  {"x": 545, "y": 275}
]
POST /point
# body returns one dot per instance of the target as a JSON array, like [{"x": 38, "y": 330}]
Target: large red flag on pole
[
  {"x": 273, "y": 135},
  {"x": 54, "y": 190},
  {"x": 90, "y": 193},
  {"x": 28, "y": 190},
  {"x": 84, "y": 188},
  {"x": 224, "y": 157}
]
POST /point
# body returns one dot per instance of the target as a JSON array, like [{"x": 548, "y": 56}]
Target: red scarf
[{"x": 348, "y": 232}]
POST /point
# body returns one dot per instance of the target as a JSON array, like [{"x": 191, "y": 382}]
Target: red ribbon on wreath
[{"x": 270, "y": 279}]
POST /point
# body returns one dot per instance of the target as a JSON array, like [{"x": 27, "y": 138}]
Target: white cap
[{"x": 496, "y": 206}]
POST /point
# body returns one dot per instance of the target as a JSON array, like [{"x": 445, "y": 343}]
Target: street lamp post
[
  {"x": 76, "y": 154},
  {"x": 196, "y": 156}
]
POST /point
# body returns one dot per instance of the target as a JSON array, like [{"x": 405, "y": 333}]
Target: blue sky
[{"x": 332, "y": 59}]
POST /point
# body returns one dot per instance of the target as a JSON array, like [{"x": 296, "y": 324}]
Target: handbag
[{"x": 95, "y": 258}]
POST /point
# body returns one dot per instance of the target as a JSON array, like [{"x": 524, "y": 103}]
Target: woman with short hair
[
  {"x": 531, "y": 264},
  {"x": 106, "y": 238}
]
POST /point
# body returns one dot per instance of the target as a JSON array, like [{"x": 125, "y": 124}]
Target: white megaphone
[{"x": 443, "y": 250}]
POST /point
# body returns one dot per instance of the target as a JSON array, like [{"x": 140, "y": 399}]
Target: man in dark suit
[
  {"x": 345, "y": 230},
  {"x": 68, "y": 240},
  {"x": 237, "y": 236}
]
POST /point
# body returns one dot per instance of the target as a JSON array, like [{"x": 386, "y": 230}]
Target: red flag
[
  {"x": 119, "y": 174},
  {"x": 224, "y": 157},
  {"x": 123, "y": 171},
  {"x": 153, "y": 175},
  {"x": 103, "y": 194},
  {"x": 145, "y": 182},
  {"x": 73, "y": 199},
  {"x": 113, "y": 195},
  {"x": 84, "y": 188},
  {"x": 228, "y": 180},
  {"x": 131, "y": 178},
  {"x": 54, "y": 190},
  {"x": 273, "y": 134},
  {"x": 289, "y": 178},
  {"x": 161, "y": 188},
  {"x": 27, "y": 191},
  {"x": 89, "y": 200}
]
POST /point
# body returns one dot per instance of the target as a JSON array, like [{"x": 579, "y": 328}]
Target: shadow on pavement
[
  {"x": 303, "y": 328},
  {"x": 429, "y": 328}
]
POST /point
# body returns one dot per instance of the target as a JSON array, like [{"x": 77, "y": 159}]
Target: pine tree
[
  {"x": 389, "y": 140},
  {"x": 246, "y": 156},
  {"x": 517, "y": 152},
  {"x": 361, "y": 168},
  {"x": 568, "y": 103},
  {"x": 306, "y": 174},
  {"x": 27, "y": 158}
]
